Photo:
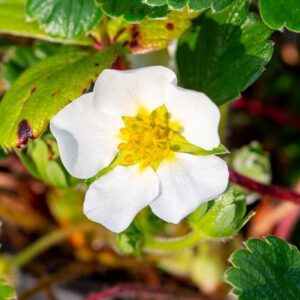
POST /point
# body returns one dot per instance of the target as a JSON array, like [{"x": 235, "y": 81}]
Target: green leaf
[
  {"x": 196, "y": 5},
  {"x": 23, "y": 57},
  {"x": 234, "y": 48},
  {"x": 267, "y": 269},
  {"x": 253, "y": 162},
  {"x": 56, "y": 175},
  {"x": 64, "y": 18},
  {"x": 6, "y": 291},
  {"x": 13, "y": 21},
  {"x": 132, "y": 10},
  {"x": 44, "y": 89},
  {"x": 149, "y": 35},
  {"x": 66, "y": 205},
  {"x": 222, "y": 217},
  {"x": 281, "y": 13}
]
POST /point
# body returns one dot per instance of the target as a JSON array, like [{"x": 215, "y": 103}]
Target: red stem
[
  {"x": 273, "y": 191},
  {"x": 137, "y": 289},
  {"x": 275, "y": 114}
]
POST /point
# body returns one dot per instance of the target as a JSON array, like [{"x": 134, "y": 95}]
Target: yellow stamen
[{"x": 147, "y": 138}]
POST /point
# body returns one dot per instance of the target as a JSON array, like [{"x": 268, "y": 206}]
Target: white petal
[
  {"x": 198, "y": 115},
  {"x": 87, "y": 139},
  {"x": 124, "y": 92},
  {"x": 186, "y": 182},
  {"x": 115, "y": 199}
]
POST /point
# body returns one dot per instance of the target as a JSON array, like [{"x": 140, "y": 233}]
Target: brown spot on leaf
[
  {"x": 33, "y": 89},
  {"x": 24, "y": 133},
  {"x": 133, "y": 44},
  {"x": 96, "y": 64},
  {"x": 84, "y": 91},
  {"x": 170, "y": 26}
]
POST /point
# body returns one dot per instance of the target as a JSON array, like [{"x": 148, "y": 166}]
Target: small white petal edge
[
  {"x": 114, "y": 199},
  {"x": 87, "y": 139},
  {"x": 198, "y": 115},
  {"x": 123, "y": 93},
  {"x": 186, "y": 182}
]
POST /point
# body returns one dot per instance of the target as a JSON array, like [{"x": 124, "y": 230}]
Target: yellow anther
[
  {"x": 129, "y": 158},
  {"x": 122, "y": 146},
  {"x": 147, "y": 138},
  {"x": 166, "y": 153},
  {"x": 124, "y": 130},
  {"x": 170, "y": 135},
  {"x": 130, "y": 146}
]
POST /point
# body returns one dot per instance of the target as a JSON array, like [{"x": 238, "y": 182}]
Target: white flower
[{"x": 135, "y": 117}]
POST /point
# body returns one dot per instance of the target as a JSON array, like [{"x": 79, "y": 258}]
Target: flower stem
[
  {"x": 275, "y": 114},
  {"x": 51, "y": 239},
  {"x": 139, "y": 290},
  {"x": 274, "y": 191},
  {"x": 168, "y": 245}
]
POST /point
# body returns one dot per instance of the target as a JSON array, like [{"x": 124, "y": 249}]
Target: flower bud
[
  {"x": 131, "y": 241},
  {"x": 222, "y": 217}
]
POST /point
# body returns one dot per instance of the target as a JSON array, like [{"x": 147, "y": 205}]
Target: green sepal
[
  {"x": 222, "y": 217},
  {"x": 131, "y": 241},
  {"x": 180, "y": 144}
]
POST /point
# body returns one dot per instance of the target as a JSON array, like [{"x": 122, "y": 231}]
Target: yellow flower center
[{"x": 147, "y": 138}]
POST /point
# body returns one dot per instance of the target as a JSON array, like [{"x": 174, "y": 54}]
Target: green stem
[
  {"x": 168, "y": 245},
  {"x": 51, "y": 239}
]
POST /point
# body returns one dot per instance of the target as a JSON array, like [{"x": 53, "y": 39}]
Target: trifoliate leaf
[
  {"x": 196, "y": 5},
  {"x": 222, "y": 217},
  {"x": 64, "y": 18},
  {"x": 149, "y": 35},
  {"x": 132, "y": 10},
  {"x": 234, "y": 48},
  {"x": 44, "y": 89},
  {"x": 281, "y": 13},
  {"x": 267, "y": 269},
  {"x": 13, "y": 21}
]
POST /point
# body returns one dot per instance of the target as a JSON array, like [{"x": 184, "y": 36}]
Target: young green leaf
[
  {"x": 13, "y": 21},
  {"x": 196, "y": 5},
  {"x": 41, "y": 91},
  {"x": 267, "y": 269},
  {"x": 64, "y": 18},
  {"x": 234, "y": 48},
  {"x": 281, "y": 13},
  {"x": 132, "y": 10}
]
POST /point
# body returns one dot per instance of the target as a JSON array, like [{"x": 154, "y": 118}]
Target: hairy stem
[
  {"x": 51, "y": 239},
  {"x": 136, "y": 289},
  {"x": 168, "y": 245},
  {"x": 275, "y": 114},
  {"x": 273, "y": 191}
]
